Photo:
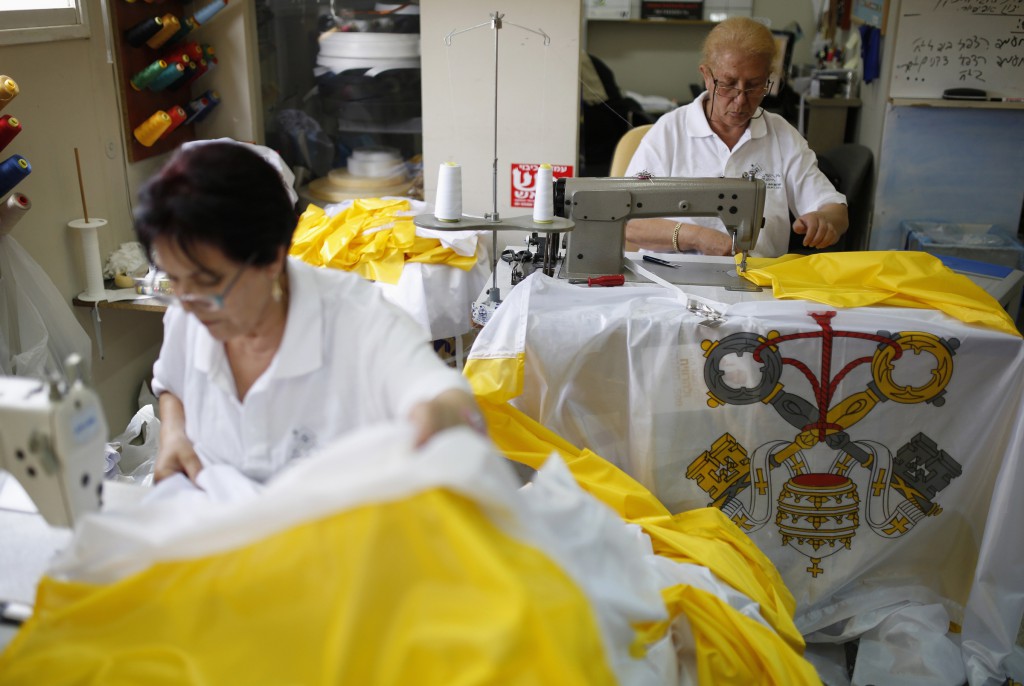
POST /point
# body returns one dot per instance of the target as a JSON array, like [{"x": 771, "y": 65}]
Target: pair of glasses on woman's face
[
  {"x": 212, "y": 302},
  {"x": 731, "y": 92}
]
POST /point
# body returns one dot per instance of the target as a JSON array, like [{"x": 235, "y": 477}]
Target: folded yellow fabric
[
  {"x": 371, "y": 238},
  {"x": 447, "y": 598},
  {"x": 703, "y": 537},
  {"x": 895, "y": 278}
]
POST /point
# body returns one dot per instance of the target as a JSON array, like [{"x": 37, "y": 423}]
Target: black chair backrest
[{"x": 850, "y": 168}]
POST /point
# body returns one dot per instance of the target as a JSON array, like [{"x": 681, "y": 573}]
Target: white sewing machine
[
  {"x": 600, "y": 208},
  {"x": 52, "y": 439}
]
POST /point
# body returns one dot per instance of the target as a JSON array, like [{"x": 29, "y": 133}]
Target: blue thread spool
[
  {"x": 170, "y": 74},
  {"x": 12, "y": 171},
  {"x": 206, "y": 13}
]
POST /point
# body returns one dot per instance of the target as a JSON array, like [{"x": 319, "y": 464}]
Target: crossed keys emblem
[{"x": 818, "y": 512}]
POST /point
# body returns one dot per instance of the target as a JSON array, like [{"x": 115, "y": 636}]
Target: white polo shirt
[
  {"x": 682, "y": 144},
  {"x": 348, "y": 358}
]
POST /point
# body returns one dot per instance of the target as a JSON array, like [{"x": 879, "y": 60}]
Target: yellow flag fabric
[
  {"x": 452, "y": 599},
  {"x": 895, "y": 278},
  {"x": 703, "y": 537},
  {"x": 370, "y": 237}
]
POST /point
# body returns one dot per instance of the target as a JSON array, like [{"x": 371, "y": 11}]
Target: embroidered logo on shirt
[
  {"x": 303, "y": 443},
  {"x": 772, "y": 180}
]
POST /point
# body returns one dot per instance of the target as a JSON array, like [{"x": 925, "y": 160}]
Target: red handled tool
[{"x": 608, "y": 280}]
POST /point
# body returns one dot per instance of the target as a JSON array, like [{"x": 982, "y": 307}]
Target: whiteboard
[{"x": 944, "y": 44}]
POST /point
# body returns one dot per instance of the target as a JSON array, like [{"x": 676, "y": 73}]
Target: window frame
[{"x": 44, "y": 25}]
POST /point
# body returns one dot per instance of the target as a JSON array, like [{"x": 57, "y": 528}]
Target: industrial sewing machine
[
  {"x": 600, "y": 207},
  {"x": 52, "y": 439}
]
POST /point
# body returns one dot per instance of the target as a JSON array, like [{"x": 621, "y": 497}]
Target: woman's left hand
[
  {"x": 454, "y": 407},
  {"x": 822, "y": 228}
]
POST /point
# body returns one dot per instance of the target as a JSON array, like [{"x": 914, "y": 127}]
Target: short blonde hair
[{"x": 742, "y": 35}]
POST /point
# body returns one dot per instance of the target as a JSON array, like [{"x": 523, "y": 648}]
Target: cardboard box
[{"x": 672, "y": 9}]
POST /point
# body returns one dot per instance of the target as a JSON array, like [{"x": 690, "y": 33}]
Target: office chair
[
  {"x": 625, "y": 148},
  {"x": 850, "y": 168}
]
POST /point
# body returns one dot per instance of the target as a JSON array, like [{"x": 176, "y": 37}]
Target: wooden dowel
[{"x": 81, "y": 186}]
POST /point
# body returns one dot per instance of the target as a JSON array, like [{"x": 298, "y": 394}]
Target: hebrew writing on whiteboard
[{"x": 946, "y": 44}]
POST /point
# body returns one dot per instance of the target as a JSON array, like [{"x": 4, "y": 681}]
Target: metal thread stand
[{"x": 492, "y": 220}]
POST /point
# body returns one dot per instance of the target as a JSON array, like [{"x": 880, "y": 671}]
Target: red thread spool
[
  {"x": 178, "y": 116},
  {"x": 9, "y": 128}
]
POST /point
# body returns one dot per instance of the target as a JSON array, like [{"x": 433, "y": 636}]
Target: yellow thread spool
[
  {"x": 8, "y": 90},
  {"x": 150, "y": 130},
  {"x": 171, "y": 25}
]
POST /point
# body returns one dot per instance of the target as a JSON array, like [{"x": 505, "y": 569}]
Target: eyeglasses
[
  {"x": 207, "y": 303},
  {"x": 730, "y": 92}
]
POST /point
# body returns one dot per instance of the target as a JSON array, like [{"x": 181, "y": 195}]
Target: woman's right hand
[{"x": 175, "y": 455}]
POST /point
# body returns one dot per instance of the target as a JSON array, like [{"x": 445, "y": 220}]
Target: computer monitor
[{"x": 780, "y": 68}]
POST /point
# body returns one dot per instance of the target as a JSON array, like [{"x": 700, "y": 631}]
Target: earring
[{"x": 276, "y": 291}]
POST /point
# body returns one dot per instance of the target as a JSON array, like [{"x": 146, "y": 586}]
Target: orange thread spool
[
  {"x": 148, "y": 132},
  {"x": 171, "y": 25},
  {"x": 8, "y": 90}
]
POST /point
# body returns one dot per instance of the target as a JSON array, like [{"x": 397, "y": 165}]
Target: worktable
[{"x": 874, "y": 454}]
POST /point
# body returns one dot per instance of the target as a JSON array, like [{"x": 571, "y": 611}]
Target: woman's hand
[
  {"x": 453, "y": 407},
  {"x": 823, "y": 227},
  {"x": 176, "y": 453}
]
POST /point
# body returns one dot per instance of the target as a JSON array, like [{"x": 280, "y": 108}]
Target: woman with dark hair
[
  {"x": 266, "y": 358},
  {"x": 725, "y": 133}
]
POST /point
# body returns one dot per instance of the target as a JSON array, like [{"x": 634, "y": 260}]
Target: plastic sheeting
[
  {"x": 38, "y": 330},
  {"x": 873, "y": 454},
  {"x": 373, "y": 564}
]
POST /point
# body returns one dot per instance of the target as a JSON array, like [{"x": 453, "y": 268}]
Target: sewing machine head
[
  {"x": 52, "y": 440},
  {"x": 600, "y": 208}
]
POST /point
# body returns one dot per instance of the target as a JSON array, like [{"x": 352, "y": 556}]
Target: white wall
[{"x": 538, "y": 93}]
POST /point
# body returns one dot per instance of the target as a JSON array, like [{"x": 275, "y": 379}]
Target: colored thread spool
[
  {"x": 207, "y": 11},
  {"x": 204, "y": 66},
  {"x": 187, "y": 77},
  {"x": 8, "y": 90},
  {"x": 543, "y": 196},
  {"x": 170, "y": 74},
  {"x": 11, "y": 212},
  {"x": 448, "y": 207},
  {"x": 187, "y": 26},
  {"x": 194, "y": 50},
  {"x": 12, "y": 171},
  {"x": 148, "y": 132},
  {"x": 137, "y": 35},
  {"x": 94, "y": 288},
  {"x": 184, "y": 53},
  {"x": 170, "y": 26},
  {"x": 213, "y": 99},
  {"x": 9, "y": 128},
  {"x": 145, "y": 76},
  {"x": 178, "y": 116},
  {"x": 199, "y": 108}
]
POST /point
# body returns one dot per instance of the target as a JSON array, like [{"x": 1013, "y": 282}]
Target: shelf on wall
[
  {"x": 677, "y": 22},
  {"x": 955, "y": 104}
]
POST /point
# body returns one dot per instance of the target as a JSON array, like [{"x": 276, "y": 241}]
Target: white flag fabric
[{"x": 873, "y": 454}]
